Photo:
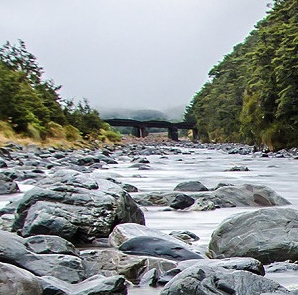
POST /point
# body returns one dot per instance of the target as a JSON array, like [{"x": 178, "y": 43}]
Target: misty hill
[{"x": 171, "y": 114}]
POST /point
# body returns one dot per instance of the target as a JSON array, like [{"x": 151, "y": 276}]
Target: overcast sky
[{"x": 148, "y": 54}]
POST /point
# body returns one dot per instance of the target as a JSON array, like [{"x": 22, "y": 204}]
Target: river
[{"x": 209, "y": 166}]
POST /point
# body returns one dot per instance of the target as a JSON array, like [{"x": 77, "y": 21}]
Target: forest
[
  {"x": 252, "y": 94},
  {"x": 32, "y": 107}
]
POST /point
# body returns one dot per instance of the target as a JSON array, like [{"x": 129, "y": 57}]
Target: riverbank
[{"x": 139, "y": 172}]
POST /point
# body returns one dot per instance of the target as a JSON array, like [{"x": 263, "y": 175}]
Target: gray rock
[
  {"x": 181, "y": 201},
  {"x": 239, "y": 263},
  {"x": 14, "y": 281},
  {"x": 246, "y": 195},
  {"x": 77, "y": 214},
  {"x": 96, "y": 285},
  {"x": 207, "y": 280},
  {"x": 111, "y": 262},
  {"x": 268, "y": 235},
  {"x": 185, "y": 236},
  {"x": 46, "y": 244},
  {"x": 3, "y": 164},
  {"x": 191, "y": 186},
  {"x": 126, "y": 231},
  {"x": 158, "y": 247},
  {"x": 13, "y": 249},
  {"x": 7, "y": 186},
  {"x": 238, "y": 168},
  {"x": 71, "y": 178}
]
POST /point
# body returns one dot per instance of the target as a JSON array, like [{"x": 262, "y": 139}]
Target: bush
[
  {"x": 6, "y": 130},
  {"x": 72, "y": 133},
  {"x": 55, "y": 130}
]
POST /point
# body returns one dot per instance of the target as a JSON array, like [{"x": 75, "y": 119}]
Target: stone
[
  {"x": 15, "y": 281},
  {"x": 207, "y": 280},
  {"x": 126, "y": 231},
  {"x": 185, "y": 236},
  {"x": 96, "y": 285},
  {"x": 240, "y": 263},
  {"x": 191, "y": 186},
  {"x": 238, "y": 168},
  {"x": 158, "y": 247},
  {"x": 71, "y": 178},
  {"x": 246, "y": 195},
  {"x": 77, "y": 214},
  {"x": 14, "y": 250},
  {"x": 7, "y": 186},
  {"x": 110, "y": 262},
  {"x": 46, "y": 244},
  {"x": 3, "y": 164},
  {"x": 268, "y": 235},
  {"x": 181, "y": 201}
]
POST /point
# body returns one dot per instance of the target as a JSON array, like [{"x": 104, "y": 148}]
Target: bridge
[{"x": 141, "y": 127}]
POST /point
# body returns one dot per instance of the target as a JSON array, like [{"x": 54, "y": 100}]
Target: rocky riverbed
[{"x": 79, "y": 221}]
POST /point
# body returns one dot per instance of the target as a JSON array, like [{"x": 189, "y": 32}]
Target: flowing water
[{"x": 209, "y": 167}]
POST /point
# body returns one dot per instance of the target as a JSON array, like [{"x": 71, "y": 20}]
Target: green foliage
[
  {"x": 252, "y": 95},
  {"x": 34, "y": 107}
]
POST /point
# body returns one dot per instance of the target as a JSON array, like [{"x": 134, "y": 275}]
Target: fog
[{"x": 140, "y": 54}]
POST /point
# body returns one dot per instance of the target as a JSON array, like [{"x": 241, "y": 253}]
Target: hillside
[
  {"x": 32, "y": 107},
  {"x": 252, "y": 94}
]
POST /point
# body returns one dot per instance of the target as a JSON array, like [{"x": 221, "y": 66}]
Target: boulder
[
  {"x": 75, "y": 213},
  {"x": 7, "y": 186},
  {"x": 246, "y": 195},
  {"x": 3, "y": 164},
  {"x": 268, "y": 235},
  {"x": 14, "y": 250},
  {"x": 207, "y": 280},
  {"x": 181, "y": 201},
  {"x": 158, "y": 247},
  {"x": 126, "y": 231},
  {"x": 70, "y": 178},
  {"x": 46, "y": 244},
  {"x": 111, "y": 262},
  {"x": 190, "y": 186},
  {"x": 185, "y": 236},
  {"x": 15, "y": 281},
  {"x": 240, "y": 263},
  {"x": 96, "y": 285}
]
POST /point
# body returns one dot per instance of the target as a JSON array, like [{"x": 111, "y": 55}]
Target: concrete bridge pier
[
  {"x": 139, "y": 131},
  {"x": 173, "y": 133},
  {"x": 195, "y": 134}
]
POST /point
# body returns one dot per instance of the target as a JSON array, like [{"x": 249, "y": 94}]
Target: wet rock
[
  {"x": 185, "y": 236},
  {"x": 239, "y": 263},
  {"x": 191, "y": 186},
  {"x": 126, "y": 231},
  {"x": 246, "y": 195},
  {"x": 14, "y": 250},
  {"x": 71, "y": 178},
  {"x": 46, "y": 244},
  {"x": 150, "y": 278},
  {"x": 158, "y": 247},
  {"x": 268, "y": 235},
  {"x": 238, "y": 168},
  {"x": 74, "y": 213},
  {"x": 206, "y": 280},
  {"x": 111, "y": 262},
  {"x": 281, "y": 267},
  {"x": 7, "y": 186},
  {"x": 96, "y": 285},
  {"x": 3, "y": 164},
  {"x": 14, "y": 280},
  {"x": 202, "y": 204},
  {"x": 7, "y": 221},
  {"x": 181, "y": 201}
]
